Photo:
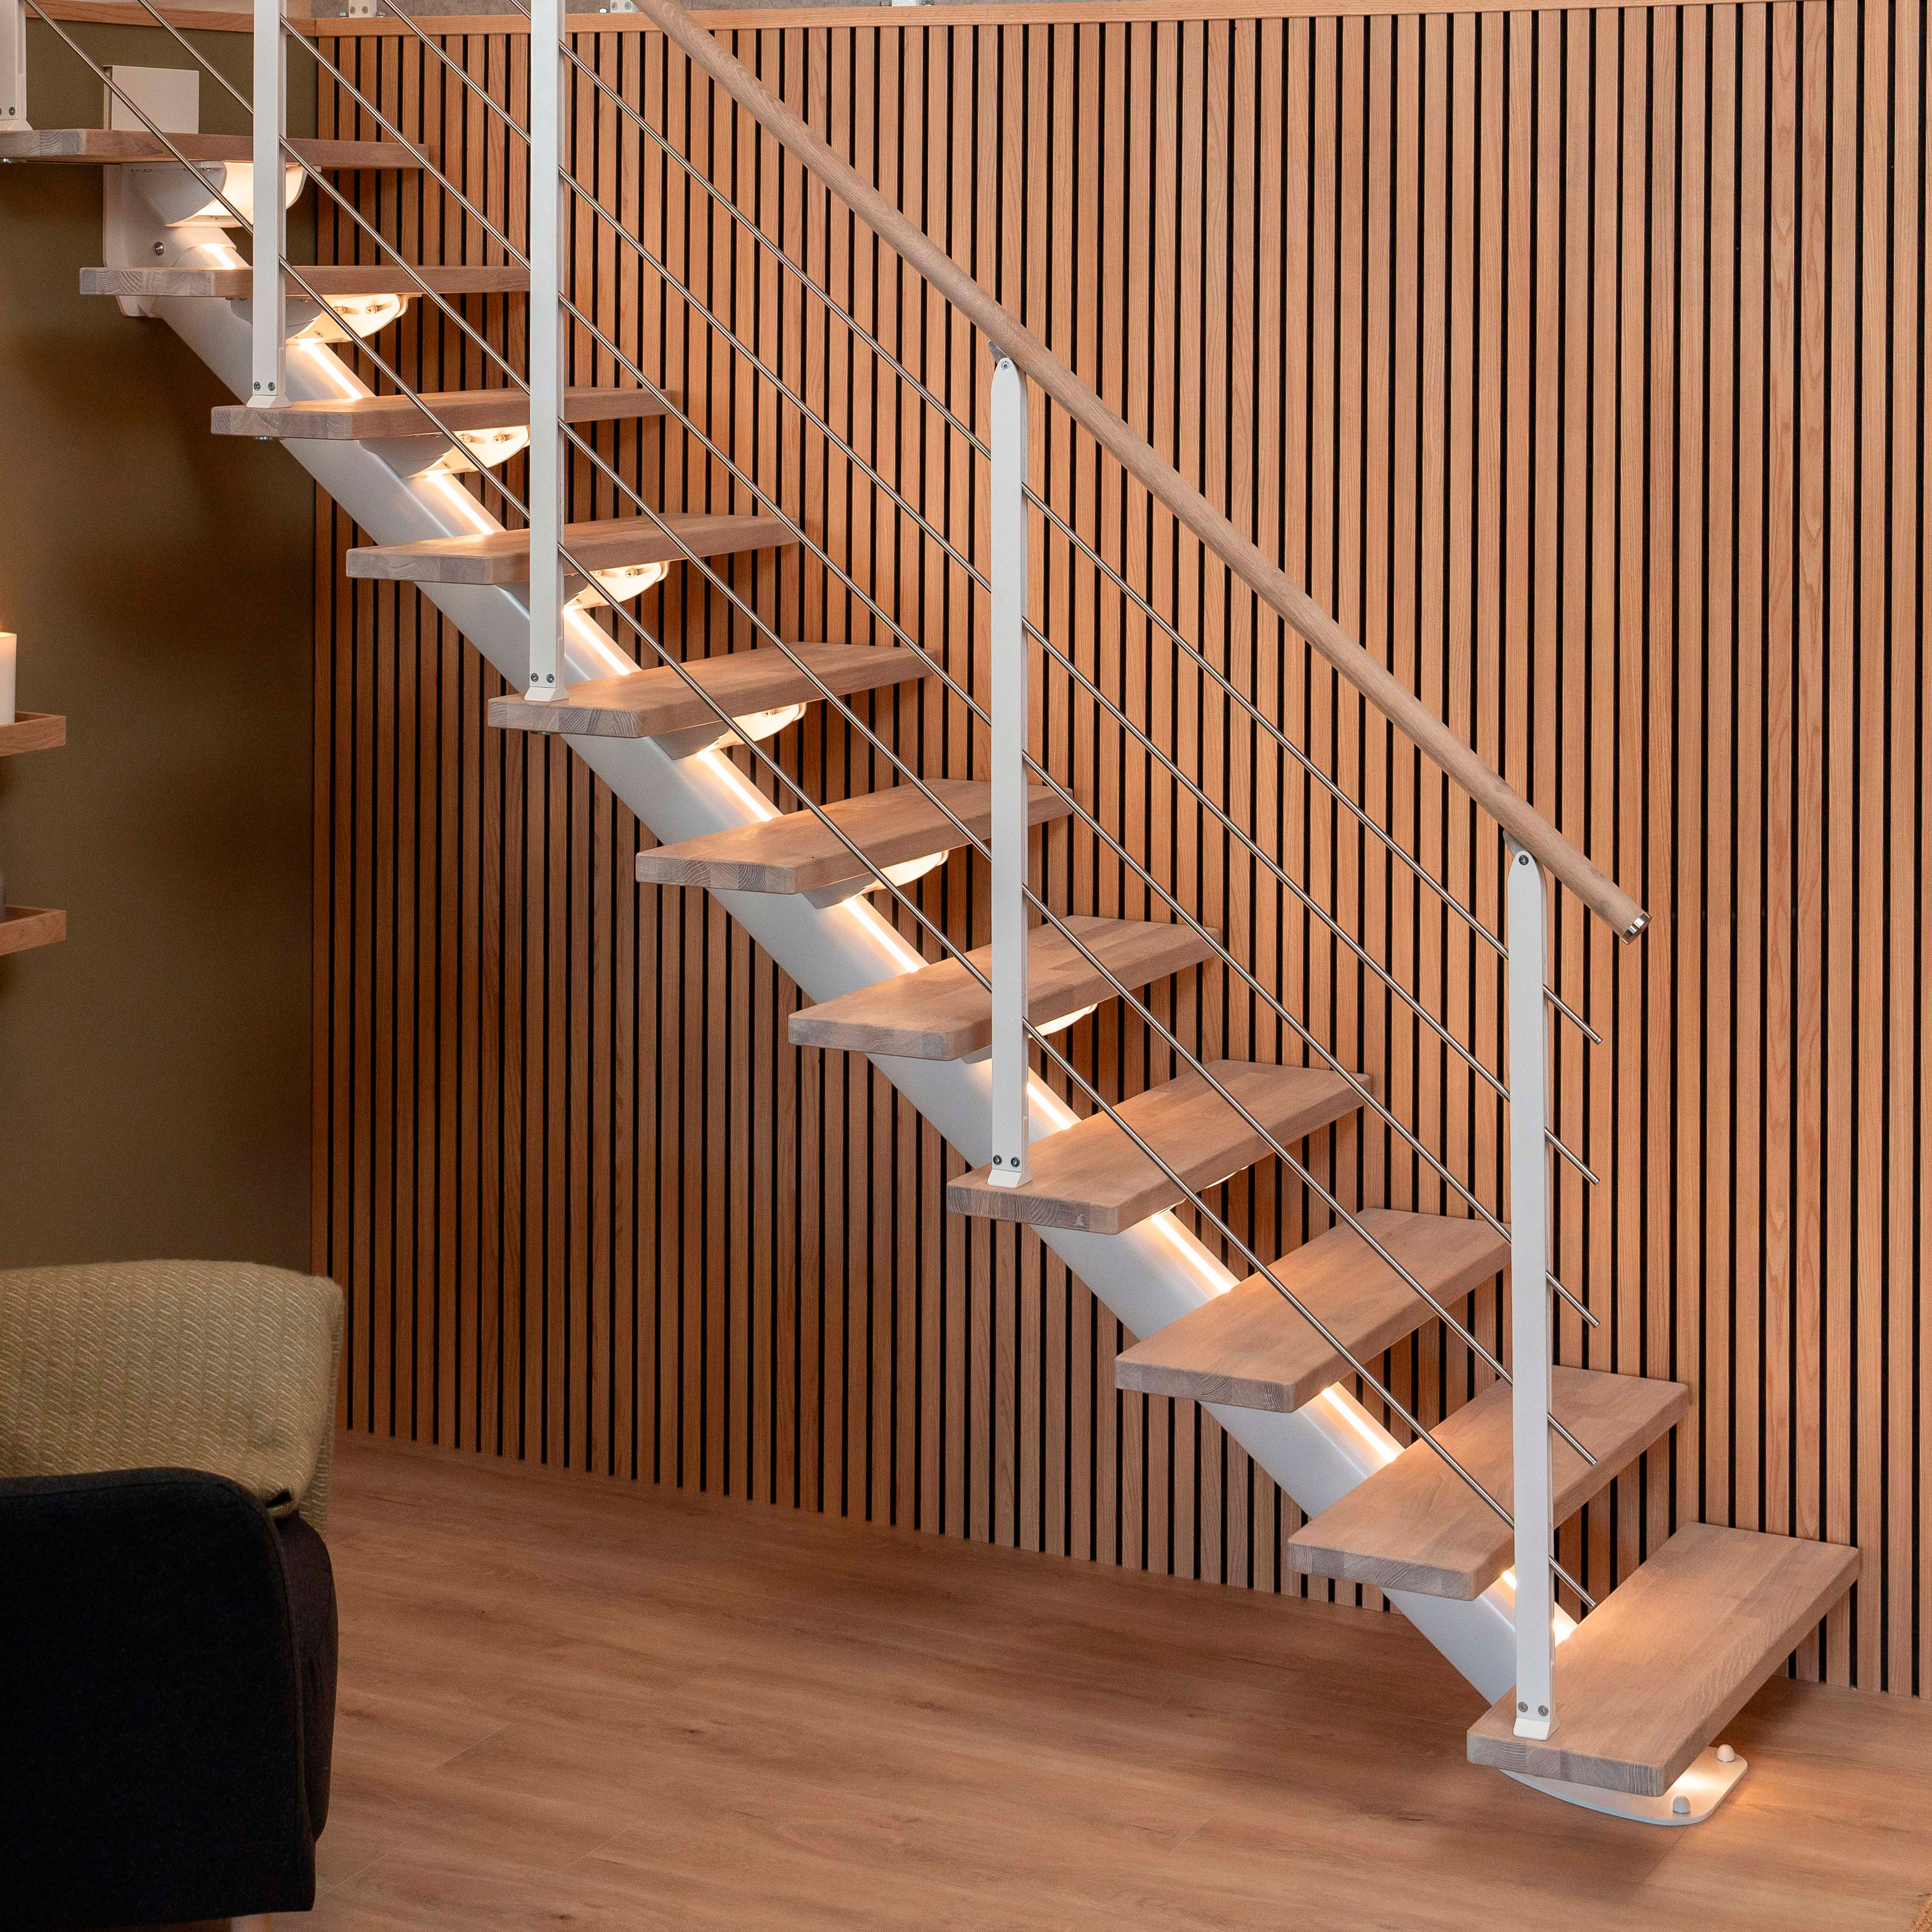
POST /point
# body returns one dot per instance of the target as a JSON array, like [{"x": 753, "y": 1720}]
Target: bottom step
[{"x": 1648, "y": 1679}]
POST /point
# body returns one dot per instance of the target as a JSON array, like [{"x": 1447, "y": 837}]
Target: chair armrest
[
  {"x": 220, "y": 1366},
  {"x": 155, "y": 1704}
]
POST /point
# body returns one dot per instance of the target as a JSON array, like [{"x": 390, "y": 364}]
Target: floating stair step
[
  {"x": 237, "y": 284},
  {"x": 1669, "y": 1657},
  {"x": 96, "y": 146},
  {"x": 503, "y": 556},
  {"x": 367, "y": 419},
  {"x": 1090, "y": 1176},
  {"x": 1249, "y": 1349},
  {"x": 942, "y": 1012},
  {"x": 796, "y": 854},
  {"x": 655, "y": 703},
  {"x": 1416, "y": 1525}
]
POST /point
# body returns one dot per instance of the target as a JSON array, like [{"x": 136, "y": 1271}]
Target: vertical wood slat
[{"x": 1577, "y": 358}]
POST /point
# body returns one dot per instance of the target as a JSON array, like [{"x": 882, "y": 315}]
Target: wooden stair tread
[
  {"x": 503, "y": 556},
  {"x": 97, "y": 146},
  {"x": 1090, "y": 1176},
  {"x": 942, "y": 1012},
  {"x": 1415, "y": 1525},
  {"x": 1669, "y": 1657},
  {"x": 237, "y": 284},
  {"x": 650, "y": 703},
  {"x": 1249, "y": 1349},
  {"x": 363, "y": 418},
  {"x": 796, "y": 854}
]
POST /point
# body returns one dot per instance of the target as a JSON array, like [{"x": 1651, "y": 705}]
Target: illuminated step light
[
  {"x": 745, "y": 730},
  {"x": 361, "y": 316},
  {"x": 907, "y": 870},
  {"x": 1046, "y": 1029},
  {"x": 482, "y": 449},
  {"x": 756, "y": 725},
  {"x": 1065, "y": 1020},
  {"x": 620, "y": 585},
  {"x": 183, "y": 197}
]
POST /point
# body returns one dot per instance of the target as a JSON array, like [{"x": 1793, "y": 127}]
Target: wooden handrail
[{"x": 1509, "y": 808}]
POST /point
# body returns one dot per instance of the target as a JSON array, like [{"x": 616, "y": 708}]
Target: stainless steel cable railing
[
  {"x": 1531, "y": 842},
  {"x": 964, "y": 429},
  {"x": 551, "y": 552},
  {"x": 915, "y": 778},
  {"x": 1285, "y": 880}
]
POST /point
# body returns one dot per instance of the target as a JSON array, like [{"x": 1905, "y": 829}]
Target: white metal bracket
[
  {"x": 134, "y": 236},
  {"x": 1692, "y": 1799},
  {"x": 138, "y": 229}
]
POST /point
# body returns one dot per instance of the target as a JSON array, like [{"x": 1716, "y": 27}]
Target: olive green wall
[{"x": 153, "y": 1068}]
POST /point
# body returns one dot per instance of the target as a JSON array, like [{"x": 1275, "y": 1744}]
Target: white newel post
[
  {"x": 547, "y": 218},
  {"x": 1008, "y": 521},
  {"x": 12, "y": 66},
  {"x": 269, "y": 213},
  {"x": 1529, "y": 1296}
]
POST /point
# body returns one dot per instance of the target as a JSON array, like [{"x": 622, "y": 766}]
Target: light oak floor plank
[{"x": 569, "y": 1700}]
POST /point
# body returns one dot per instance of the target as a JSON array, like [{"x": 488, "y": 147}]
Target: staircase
[{"x": 1618, "y": 1711}]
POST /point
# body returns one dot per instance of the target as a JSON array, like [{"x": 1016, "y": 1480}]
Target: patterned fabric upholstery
[{"x": 220, "y": 1366}]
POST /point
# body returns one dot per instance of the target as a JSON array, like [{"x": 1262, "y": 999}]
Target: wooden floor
[{"x": 567, "y": 1701}]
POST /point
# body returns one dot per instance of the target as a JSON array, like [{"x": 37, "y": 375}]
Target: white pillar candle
[{"x": 7, "y": 644}]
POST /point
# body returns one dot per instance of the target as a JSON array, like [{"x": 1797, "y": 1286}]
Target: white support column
[
  {"x": 1009, "y": 706},
  {"x": 269, "y": 370},
  {"x": 547, "y": 219},
  {"x": 12, "y": 66},
  {"x": 1529, "y": 1296}
]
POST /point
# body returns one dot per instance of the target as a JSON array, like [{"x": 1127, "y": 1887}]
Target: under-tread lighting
[
  {"x": 482, "y": 449},
  {"x": 907, "y": 870},
  {"x": 756, "y": 725},
  {"x": 359, "y": 316},
  {"x": 620, "y": 585},
  {"x": 1047, "y": 1027}
]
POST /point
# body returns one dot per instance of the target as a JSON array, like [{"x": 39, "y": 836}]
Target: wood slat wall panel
[{"x": 1577, "y": 359}]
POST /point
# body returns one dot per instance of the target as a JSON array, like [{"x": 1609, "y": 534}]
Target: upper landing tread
[{"x": 97, "y": 147}]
